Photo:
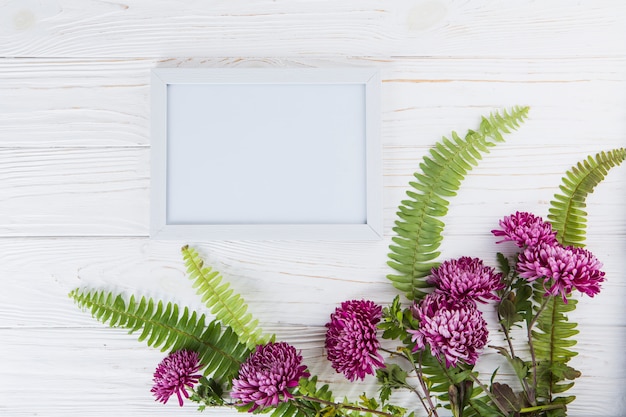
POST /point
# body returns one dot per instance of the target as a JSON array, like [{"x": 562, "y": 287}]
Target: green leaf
[
  {"x": 162, "y": 326},
  {"x": 567, "y": 212},
  {"x": 227, "y": 306},
  {"x": 552, "y": 340},
  {"x": 419, "y": 227}
]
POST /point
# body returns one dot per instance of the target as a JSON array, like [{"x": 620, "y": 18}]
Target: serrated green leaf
[{"x": 442, "y": 172}]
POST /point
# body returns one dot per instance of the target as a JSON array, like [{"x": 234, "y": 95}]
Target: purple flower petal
[
  {"x": 466, "y": 278},
  {"x": 455, "y": 330},
  {"x": 526, "y": 230},
  {"x": 562, "y": 268},
  {"x": 351, "y": 340},
  {"x": 265, "y": 377},
  {"x": 174, "y": 373}
]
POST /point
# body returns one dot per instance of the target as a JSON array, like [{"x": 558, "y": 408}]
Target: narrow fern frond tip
[
  {"x": 226, "y": 305},
  {"x": 567, "y": 209}
]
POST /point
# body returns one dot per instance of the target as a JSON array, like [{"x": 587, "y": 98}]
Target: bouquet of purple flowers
[{"x": 428, "y": 346}]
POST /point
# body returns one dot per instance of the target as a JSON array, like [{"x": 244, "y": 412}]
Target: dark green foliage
[
  {"x": 162, "y": 326},
  {"x": 419, "y": 228},
  {"x": 567, "y": 211},
  {"x": 227, "y": 306},
  {"x": 208, "y": 393}
]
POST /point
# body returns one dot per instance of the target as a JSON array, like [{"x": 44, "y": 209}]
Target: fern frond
[
  {"x": 227, "y": 306},
  {"x": 553, "y": 340},
  {"x": 163, "y": 326},
  {"x": 419, "y": 230},
  {"x": 567, "y": 212}
]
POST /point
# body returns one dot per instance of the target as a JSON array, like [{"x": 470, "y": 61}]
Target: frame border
[{"x": 162, "y": 77}]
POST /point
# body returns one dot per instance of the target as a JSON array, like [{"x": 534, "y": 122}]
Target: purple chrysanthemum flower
[
  {"x": 466, "y": 278},
  {"x": 526, "y": 230},
  {"x": 564, "y": 268},
  {"x": 267, "y": 375},
  {"x": 351, "y": 339},
  {"x": 454, "y": 330},
  {"x": 174, "y": 374}
]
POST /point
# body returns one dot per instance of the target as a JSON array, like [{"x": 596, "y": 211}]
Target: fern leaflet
[
  {"x": 228, "y": 307},
  {"x": 567, "y": 211},
  {"x": 419, "y": 230},
  {"x": 553, "y": 338},
  {"x": 552, "y": 341},
  {"x": 162, "y": 326}
]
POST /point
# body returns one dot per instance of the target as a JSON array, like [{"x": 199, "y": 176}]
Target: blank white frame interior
[{"x": 264, "y": 154}]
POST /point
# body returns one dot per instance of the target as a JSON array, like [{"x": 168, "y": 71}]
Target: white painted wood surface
[{"x": 75, "y": 170}]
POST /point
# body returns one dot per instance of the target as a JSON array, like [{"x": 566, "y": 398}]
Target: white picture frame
[{"x": 266, "y": 154}]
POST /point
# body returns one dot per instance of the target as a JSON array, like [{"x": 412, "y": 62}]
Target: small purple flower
[
  {"x": 526, "y": 230},
  {"x": 454, "y": 330},
  {"x": 351, "y": 339},
  {"x": 565, "y": 268},
  {"x": 267, "y": 375},
  {"x": 466, "y": 278},
  {"x": 174, "y": 374}
]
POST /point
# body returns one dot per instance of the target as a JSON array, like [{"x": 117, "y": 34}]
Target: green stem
[
  {"x": 523, "y": 382},
  {"x": 529, "y": 333},
  {"x": 542, "y": 408},
  {"x": 340, "y": 405},
  {"x": 430, "y": 407},
  {"x": 492, "y": 397}
]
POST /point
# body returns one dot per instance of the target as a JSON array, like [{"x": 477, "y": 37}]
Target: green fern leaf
[
  {"x": 567, "y": 212},
  {"x": 228, "y": 307},
  {"x": 162, "y": 326},
  {"x": 418, "y": 229},
  {"x": 553, "y": 340}
]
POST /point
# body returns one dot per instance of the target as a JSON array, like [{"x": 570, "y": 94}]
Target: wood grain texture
[
  {"x": 165, "y": 28},
  {"x": 75, "y": 159},
  {"x": 92, "y": 103}
]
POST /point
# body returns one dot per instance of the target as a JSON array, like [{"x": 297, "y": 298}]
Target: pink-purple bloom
[
  {"x": 466, "y": 278},
  {"x": 562, "y": 268},
  {"x": 175, "y": 374},
  {"x": 454, "y": 330},
  {"x": 268, "y": 374},
  {"x": 351, "y": 340},
  {"x": 526, "y": 230}
]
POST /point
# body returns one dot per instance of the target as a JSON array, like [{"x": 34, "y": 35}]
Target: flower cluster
[
  {"x": 351, "y": 340},
  {"x": 453, "y": 329},
  {"x": 562, "y": 269},
  {"x": 466, "y": 278},
  {"x": 450, "y": 323},
  {"x": 268, "y": 374},
  {"x": 175, "y": 374},
  {"x": 447, "y": 322},
  {"x": 525, "y": 230}
]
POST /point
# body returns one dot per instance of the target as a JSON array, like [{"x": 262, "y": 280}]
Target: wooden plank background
[{"x": 75, "y": 183}]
